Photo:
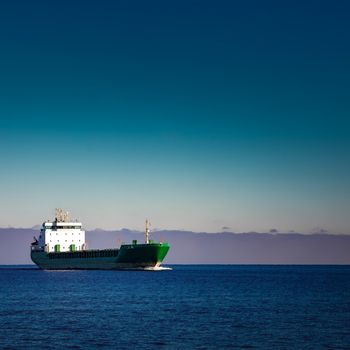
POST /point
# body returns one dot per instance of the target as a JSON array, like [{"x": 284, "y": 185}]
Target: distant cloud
[
  {"x": 273, "y": 230},
  {"x": 319, "y": 230}
]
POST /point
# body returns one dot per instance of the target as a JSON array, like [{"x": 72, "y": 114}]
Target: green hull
[{"x": 129, "y": 256}]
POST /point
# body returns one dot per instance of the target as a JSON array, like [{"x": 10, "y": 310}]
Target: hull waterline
[{"x": 128, "y": 257}]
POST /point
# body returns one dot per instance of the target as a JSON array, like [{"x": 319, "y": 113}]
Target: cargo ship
[{"x": 61, "y": 246}]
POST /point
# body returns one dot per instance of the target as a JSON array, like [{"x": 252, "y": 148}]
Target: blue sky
[{"x": 196, "y": 114}]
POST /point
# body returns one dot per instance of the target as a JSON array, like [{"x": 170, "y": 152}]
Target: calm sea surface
[{"x": 190, "y": 307}]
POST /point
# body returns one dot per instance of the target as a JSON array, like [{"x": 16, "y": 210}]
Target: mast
[
  {"x": 147, "y": 232},
  {"x": 61, "y": 216}
]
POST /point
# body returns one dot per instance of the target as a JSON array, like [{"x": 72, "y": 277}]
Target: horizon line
[{"x": 274, "y": 233}]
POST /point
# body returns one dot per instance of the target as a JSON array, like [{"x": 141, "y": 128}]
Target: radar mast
[{"x": 61, "y": 216}]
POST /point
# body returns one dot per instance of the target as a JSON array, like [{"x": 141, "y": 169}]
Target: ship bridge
[{"x": 61, "y": 235}]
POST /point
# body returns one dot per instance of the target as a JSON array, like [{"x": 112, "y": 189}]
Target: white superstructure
[{"x": 61, "y": 235}]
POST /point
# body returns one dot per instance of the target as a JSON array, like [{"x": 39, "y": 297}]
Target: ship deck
[{"x": 85, "y": 254}]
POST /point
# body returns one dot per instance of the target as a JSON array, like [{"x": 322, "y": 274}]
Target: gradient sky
[{"x": 197, "y": 114}]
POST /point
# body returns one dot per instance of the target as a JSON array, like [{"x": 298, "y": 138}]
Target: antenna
[{"x": 61, "y": 216}]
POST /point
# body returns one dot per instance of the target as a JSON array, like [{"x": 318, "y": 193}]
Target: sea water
[{"x": 188, "y": 307}]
